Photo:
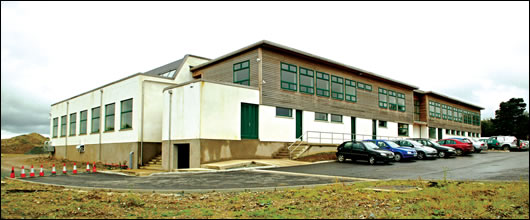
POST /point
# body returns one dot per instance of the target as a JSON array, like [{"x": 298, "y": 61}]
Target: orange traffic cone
[
  {"x": 12, "y": 172},
  {"x": 94, "y": 167},
  {"x": 53, "y": 170},
  {"x": 75, "y": 169},
  {"x": 32, "y": 172},
  {"x": 41, "y": 173},
  {"x": 87, "y": 168},
  {"x": 64, "y": 168},
  {"x": 23, "y": 174}
]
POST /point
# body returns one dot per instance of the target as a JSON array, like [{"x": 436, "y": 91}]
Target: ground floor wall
[
  {"x": 109, "y": 153},
  {"x": 203, "y": 151}
]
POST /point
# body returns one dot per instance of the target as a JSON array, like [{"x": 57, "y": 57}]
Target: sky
[{"x": 477, "y": 52}]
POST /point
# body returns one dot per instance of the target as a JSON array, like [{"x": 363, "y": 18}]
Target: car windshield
[
  {"x": 371, "y": 145},
  {"x": 465, "y": 141},
  {"x": 392, "y": 144},
  {"x": 435, "y": 144},
  {"x": 415, "y": 143}
]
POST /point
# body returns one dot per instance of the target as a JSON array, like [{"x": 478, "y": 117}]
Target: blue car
[{"x": 400, "y": 153}]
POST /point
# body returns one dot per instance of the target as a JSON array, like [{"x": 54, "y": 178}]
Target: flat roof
[{"x": 272, "y": 45}]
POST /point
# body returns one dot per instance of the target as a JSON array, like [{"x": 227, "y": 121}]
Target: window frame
[
  {"x": 122, "y": 112},
  {"x": 81, "y": 122},
  {"x": 63, "y": 119},
  {"x": 108, "y": 115},
  {"x": 385, "y": 124},
  {"x": 326, "y": 114},
  {"x": 288, "y": 70},
  {"x": 337, "y": 80},
  {"x": 400, "y": 129},
  {"x": 234, "y": 69},
  {"x": 290, "y": 115},
  {"x": 331, "y": 118},
  {"x": 98, "y": 118},
  {"x": 392, "y": 106},
  {"x": 306, "y": 74},
  {"x": 401, "y": 108},
  {"x": 323, "y": 77},
  {"x": 444, "y": 115},
  {"x": 437, "y": 109},
  {"x": 55, "y": 127},
  {"x": 72, "y": 124},
  {"x": 352, "y": 84},
  {"x": 383, "y": 104}
]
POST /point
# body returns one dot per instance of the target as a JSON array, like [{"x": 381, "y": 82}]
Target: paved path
[{"x": 483, "y": 166}]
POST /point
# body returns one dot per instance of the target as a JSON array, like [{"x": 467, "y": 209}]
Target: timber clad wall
[
  {"x": 448, "y": 124},
  {"x": 367, "y": 102},
  {"x": 223, "y": 71}
]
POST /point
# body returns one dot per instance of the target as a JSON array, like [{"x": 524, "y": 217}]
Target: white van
[{"x": 506, "y": 142}]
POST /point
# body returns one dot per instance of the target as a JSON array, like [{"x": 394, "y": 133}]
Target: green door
[
  {"x": 440, "y": 133},
  {"x": 249, "y": 121},
  {"x": 298, "y": 123},
  {"x": 374, "y": 129},
  {"x": 353, "y": 128}
]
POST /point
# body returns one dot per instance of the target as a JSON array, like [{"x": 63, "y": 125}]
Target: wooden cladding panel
[
  {"x": 365, "y": 107},
  {"x": 449, "y": 124},
  {"x": 223, "y": 71}
]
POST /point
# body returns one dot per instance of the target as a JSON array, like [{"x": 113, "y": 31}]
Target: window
[
  {"x": 403, "y": 129},
  {"x": 453, "y": 132},
  {"x": 437, "y": 109},
  {"x": 392, "y": 102},
  {"x": 72, "y": 124},
  {"x": 109, "y": 117},
  {"x": 416, "y": 110},
  {"x": 458, "y": 133},
  {"x": 55, "y": 126},
  {"x": 307, "y": 81},
  {"x": 360, "y": 85},
  {"x": 348, "y": 145},
  {"x": 449, "y": 113},
  {"x": 368, "y": 87},
  {"x": 459, "y": 115},
  {"x": 336, "y": 118},
  {"x": 444, "y": 112},
  {"x": 63, "y": 125},
  {"x": 287, "y": 112},
  {"x": 126, "y": 114},
  {"x": 432, "y": 133},
  {"x": 321, "y": 116},
  {"x": 337, "y": 87},
  {"x": 322, "y": 84},
  {"x": 382, "y": 98},
  {"x": 169, "y": 74},
  {"x": 288, "y": 72},
  {"x": 82, "y": 122},
  {"x": 95, "y": 120},
  {"x": 432, "y": 114},
  {"x": 447, "y": 131},
  {"x": 242, "y": 73},
  {"x": 401, "y": 102},
  {"x": 382, "y": 124},
  {"x": 351, "y": 90}
]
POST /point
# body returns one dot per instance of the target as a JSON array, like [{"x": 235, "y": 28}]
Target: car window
[
  {"x": 415, "y": 143},
  {"x": 392, "y": 144},
  {"x": 348, "y": 145},
  {"x": 381, "y": 144},
  {"x": 441, "y": 142},
  {"x": 465, "y": 141},
  {"x": 434, "y": 144},
  {"x": 371, "y": 145},
  {"x": 452, "y": 142},
  {"x": 357, "y": 146}
]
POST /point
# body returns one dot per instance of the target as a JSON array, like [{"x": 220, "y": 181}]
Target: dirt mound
[{"x": 22, "y": 144}]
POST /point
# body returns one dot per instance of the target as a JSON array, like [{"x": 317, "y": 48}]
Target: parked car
[
  {"x": 502, "y": 142},
  {"x": 477, "y": 145},
  {"x": 461, "y": 146},
  {"x": 423, "y": 151},
  {"x": 400, "y": 153},
  {"x": 443, "y": 151},
  {"x": 357, "y": 150},
  {"x": 523, "y": 145}
]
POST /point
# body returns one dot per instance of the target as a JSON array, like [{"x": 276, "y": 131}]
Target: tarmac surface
[{"x": 481, "y": 166}]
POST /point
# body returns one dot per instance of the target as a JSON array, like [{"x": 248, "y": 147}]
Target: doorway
[
  {"x": 249, "y": 121},
  {"x": 353, "y": 128},
  {"x": 298, "y": 123},
  {"x": 182, "y": 156},
  {"x": 374, "y": 129},
  {"x": 440, "y": 133}
]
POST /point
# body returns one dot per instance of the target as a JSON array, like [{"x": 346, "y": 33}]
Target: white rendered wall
[
  {"x": 310, "y": 124},
  {"x": 153, "y": 107},
  {"x": 391, "y": 129},
  {"x": 276, "y": 128},
  {"x": 363, "y": 127},
  {"x": 416, "y": 129},
  {"x": 185, "y": 112},
  {"x": 184, "y": 75}
]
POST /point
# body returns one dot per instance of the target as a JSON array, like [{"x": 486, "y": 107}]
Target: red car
[{"x": 461, "y": 146}]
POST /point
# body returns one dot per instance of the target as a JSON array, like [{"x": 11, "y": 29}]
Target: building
[{"x": 253, "y": 103}]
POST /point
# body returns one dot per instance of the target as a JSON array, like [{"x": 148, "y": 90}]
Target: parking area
[{"x": 482, "y": 166}]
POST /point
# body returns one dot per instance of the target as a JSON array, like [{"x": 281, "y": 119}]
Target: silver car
[
  {"x": 423, "y": 151},
  {"x": 478, "y": 145}
]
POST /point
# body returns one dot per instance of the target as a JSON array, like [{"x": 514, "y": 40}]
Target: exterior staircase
[
  {"x": 295, "y": 153},
  {"x": 154, "y": 164}
]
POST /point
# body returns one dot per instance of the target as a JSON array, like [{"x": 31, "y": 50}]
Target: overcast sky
[{"x": 472, "y": 51}]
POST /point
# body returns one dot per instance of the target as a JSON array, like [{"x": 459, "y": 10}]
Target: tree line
[{"x": 511, "y": 119}]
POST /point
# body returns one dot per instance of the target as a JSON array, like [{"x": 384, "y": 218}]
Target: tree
[
  {"x": 487, "y": 128},
  {"x": 511, "y": 119}
]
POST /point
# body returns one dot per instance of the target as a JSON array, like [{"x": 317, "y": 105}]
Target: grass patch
[{"x": 440, "y": 199}]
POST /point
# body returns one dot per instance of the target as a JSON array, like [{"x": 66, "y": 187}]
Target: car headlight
[{"x": 382, "y": 154}]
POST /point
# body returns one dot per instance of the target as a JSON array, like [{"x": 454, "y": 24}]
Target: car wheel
[
  {"x": 340, "y": 158},
  {"x": 441, "y": 154},
  {"x": 458, "y": 152},
  {"x": 397, "y": 157},
  {"x": 421, "y": 155},
  {"x": 371, "y": 160},
  {"x": 505, "y": 147}
]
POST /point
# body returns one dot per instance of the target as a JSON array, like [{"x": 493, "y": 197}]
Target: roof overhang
[
  {"x": 284, "y": 49},
  {"x": 431, "y": 93}
]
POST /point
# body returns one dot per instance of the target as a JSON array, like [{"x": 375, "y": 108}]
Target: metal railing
[{"x": 322, "y": 137}]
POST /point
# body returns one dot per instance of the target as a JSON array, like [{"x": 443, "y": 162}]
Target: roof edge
[{"x": 447, "y": 97}]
